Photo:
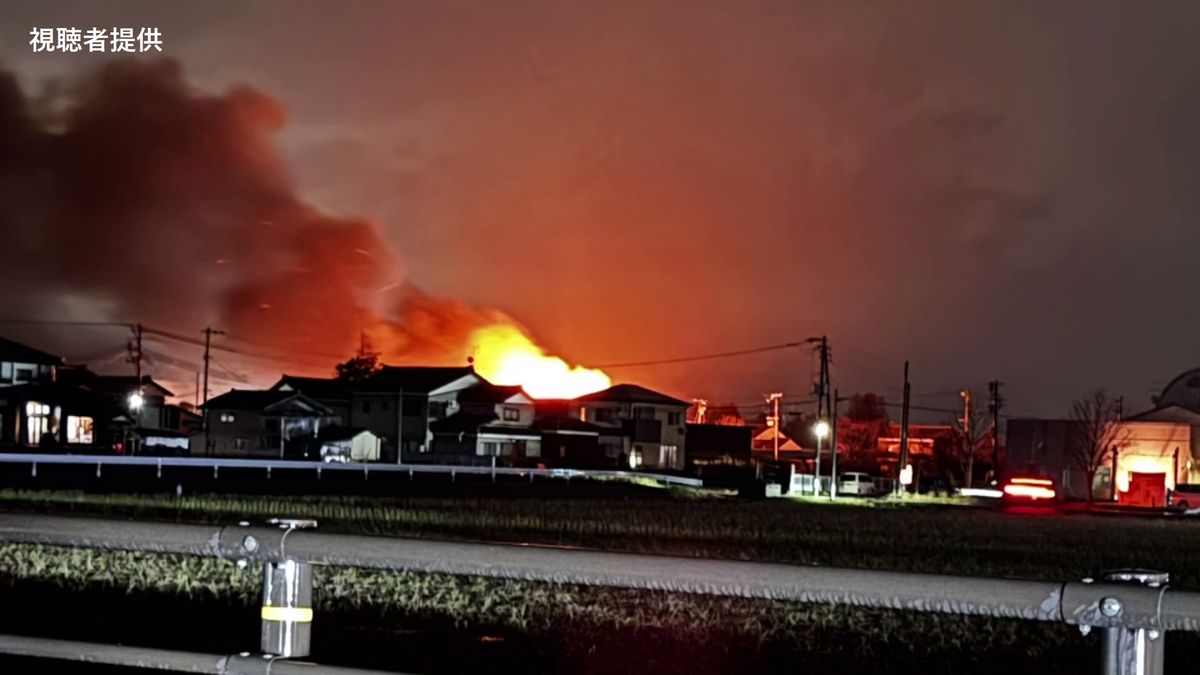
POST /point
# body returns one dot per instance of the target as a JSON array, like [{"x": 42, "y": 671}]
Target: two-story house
[
  {"x": 22, "y": 364},
  {"x": 37, "y": 412},
  {"x": 484, "y": 421},
  {"x": 646, "y": 429},
  {"x": 261, "y": 423},
  {"x": 397, "y": 403}
]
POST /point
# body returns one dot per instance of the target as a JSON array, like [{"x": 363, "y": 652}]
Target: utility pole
[
  {"x": 903, "y": 431},
  {"x": 823, "y": 402},
  {"x": 995, "y": 403},
  {"x": 774, "y": 400},
  {"x": 136, "y": 398},
  {"x": 833, "y": 444},
  {"x": 208, "y": 333},
  {"x": 966, "y": 425}
]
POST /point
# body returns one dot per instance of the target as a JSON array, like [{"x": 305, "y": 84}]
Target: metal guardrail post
[
  {"x": 1132, "y": 651},
  {"x": 287, "y": 599}
]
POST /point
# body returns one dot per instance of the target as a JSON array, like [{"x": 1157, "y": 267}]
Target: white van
[{"x": 852, "y": 483}]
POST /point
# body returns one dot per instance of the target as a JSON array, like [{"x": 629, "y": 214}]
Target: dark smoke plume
[{"x": 133, "y": 197}]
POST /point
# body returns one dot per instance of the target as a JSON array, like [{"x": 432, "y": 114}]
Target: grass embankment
[{"x": 708, "y": 634}]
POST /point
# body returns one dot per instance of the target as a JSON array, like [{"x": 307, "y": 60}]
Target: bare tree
[
  {"x": 972, "y": 438},
  {"x": 1095, "y": 431}
]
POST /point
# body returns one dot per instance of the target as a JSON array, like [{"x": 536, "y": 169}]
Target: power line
[{"x": 702, "y": 357}]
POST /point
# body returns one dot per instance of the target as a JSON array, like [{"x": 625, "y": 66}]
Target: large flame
[{"x": 505, "y": 355}]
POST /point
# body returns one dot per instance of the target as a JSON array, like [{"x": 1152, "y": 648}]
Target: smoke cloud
[{"x": 131, "y": 196}]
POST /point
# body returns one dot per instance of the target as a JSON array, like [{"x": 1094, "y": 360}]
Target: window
[
  {"x": 643, "y": 412},
  {"x": 604, "y": 415},
  {"x": 512, "y": 414},
  {"x": 38, "y": 415},
  {"x": 5, "y": 371},
  {"x": 667, "y": 455},
  {"x": 239, "y": 444},
  {"x": 635, "y": 457},
  {"x": 79, "y": 429},
  {"x": 673, "y": 418},
  {"x": 227, "y": 417},
  {"x": 488, "y": 449},
  {"x": 23, "y": 375}
]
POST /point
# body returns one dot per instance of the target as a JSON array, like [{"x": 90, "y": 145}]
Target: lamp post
[
  {"x": 821, "y": 429},
  {"x": 136, "y": 400}
]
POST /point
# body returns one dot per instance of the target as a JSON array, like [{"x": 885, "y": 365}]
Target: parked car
[
  {"x": 1184, "y": 496},
  {"x": 854, "y": 483}
]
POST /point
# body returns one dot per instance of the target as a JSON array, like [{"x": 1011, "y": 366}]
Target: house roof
[
  {"x": 322, "y": 388},
  {"x": 486, "y": 392},
  {"x": 56, "y": 393},
  {"x": 264, "y": 400},
  {"x": 632, "y": 393},
  {"x": 1169, "y": 413},
  {"x": 412, "y": 379},
  {"x": 123, "y": 384},
  {"x": 15, "y": 351}
]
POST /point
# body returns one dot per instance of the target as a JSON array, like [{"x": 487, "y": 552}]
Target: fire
[{"x": 505, "y": 355}]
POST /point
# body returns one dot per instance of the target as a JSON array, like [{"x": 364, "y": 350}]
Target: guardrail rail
[{"x": 1133, "y": 608}]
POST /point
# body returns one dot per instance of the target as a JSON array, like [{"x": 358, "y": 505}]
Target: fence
[
  {"x": 365, "y": 468},
  {"x": 1133, "y": 609}
]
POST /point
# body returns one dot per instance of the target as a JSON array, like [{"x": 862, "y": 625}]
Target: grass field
[{"x": 597, "y": 630}]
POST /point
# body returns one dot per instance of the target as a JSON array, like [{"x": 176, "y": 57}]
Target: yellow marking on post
[{"x": 296, "y": 614}]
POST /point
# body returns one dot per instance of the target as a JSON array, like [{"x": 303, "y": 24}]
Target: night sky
[{"x": 1002, "y": 190}]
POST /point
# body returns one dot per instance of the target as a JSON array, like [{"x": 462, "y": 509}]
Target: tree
[
  {"x": 362, "y": 365},
  {"x": 972, "y": 437},
  {"x": 1095, "y": 431},
  {"x": 858, "y": 433}
]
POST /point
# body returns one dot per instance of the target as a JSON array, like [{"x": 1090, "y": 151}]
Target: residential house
[
  {"x": 568, "y": 441},
  {"x": 484, "y": 421},
  {"x": 397, "y": 403},
  {"x": 154, "y": 427},
  {"x": 22, "y": 364},
  {"x": 262, "y": 423},
  {"x": 718, "y": 444},
  {"x": 58, "y": 417},
  {"x": 645, "y": 429}
]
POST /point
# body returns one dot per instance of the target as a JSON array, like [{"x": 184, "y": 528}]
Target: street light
[
  {"x": 821, "y": 429},
  {"x": 136, "y": 400}
]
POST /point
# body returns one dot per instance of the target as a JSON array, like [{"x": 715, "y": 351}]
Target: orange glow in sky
[{"x": 505, "y": 355}]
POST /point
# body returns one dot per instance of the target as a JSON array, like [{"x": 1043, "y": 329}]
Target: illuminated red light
[
  {"x": 1030, "y": 488},
  {"x": 1032, "y": 481}
]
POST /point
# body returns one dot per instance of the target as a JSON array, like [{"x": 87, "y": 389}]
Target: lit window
[
  {"x": 79, "y": 429},
  {"x": 6, "y": 371},
  {"x": 512, "y": 414},
  {"x": 38, "y": 415},
  {"x": 635, "y": 457}
]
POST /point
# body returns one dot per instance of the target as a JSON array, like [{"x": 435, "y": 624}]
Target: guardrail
[
  {"x": 366, "y": 468},
  {"x": 1134, "y": 609}
]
